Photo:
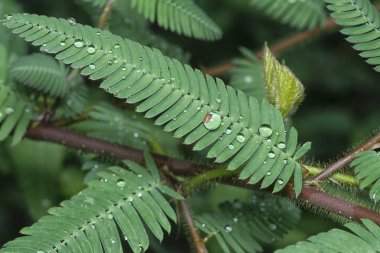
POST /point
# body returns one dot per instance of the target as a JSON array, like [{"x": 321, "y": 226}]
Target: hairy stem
[
  {"x": 197, "y": 239},
  {"x": 78, "y": 141},
  {"x": 278, "y": 47},
  {"x": 186, "y": 168},
  {"x": 338, "y": 177},
  {"x": 341, "y": 163}
]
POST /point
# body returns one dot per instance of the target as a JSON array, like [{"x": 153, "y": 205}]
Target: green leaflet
[
  {"x": 234, "y": 127},
  {"x": 180, "y": 16},
  {"x": 130, "y": 201},
  {"x": 247, "y": 74},
  {"x": 42, "y": 73},
  {"x": 361, "y": 22},
  {"x": 301, "y": 14},
  {"x": 242, "y": 226},
  {"x": 15, "y": 115},
  {"x": 367, "y": 171},
  {"x": 360, "y": 239}
]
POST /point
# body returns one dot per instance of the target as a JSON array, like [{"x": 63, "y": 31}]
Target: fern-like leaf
[
  {"x": 241, "y": 226},
  {"x": 367, "y": 170},
  {"x": 362, "y": 26},
  {"x": 234, "y": 127},
  {"x": 129, "y": 201},
  {"x": 247, "y": 74},
  {"x": 301, "y": 14},
  {"x": 180, "y": 16},
  {"x": 15, "y": 115},
  {"x": 41, "y": 72},
  {"x": 360, "y": 239}
]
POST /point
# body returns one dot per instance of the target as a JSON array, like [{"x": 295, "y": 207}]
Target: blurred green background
[{"x": 341, "y": 109}]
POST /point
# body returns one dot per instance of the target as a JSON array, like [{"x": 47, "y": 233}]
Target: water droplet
[
  {"x": 110, "y": 216},
  {"x": 273, "y": 226},
  {"x": 110, "y": 62},
  {"x": 271, "y": 155},
  {"x": 40, "y": 251},
  {"x": 139, "y": 194},
  {"x": 218, "y": 100},
  {"x": 124, "y": 68},
  {"x": 280, "y": 181},
  {"x": 78, "y": 44},
  {"x": 9, "y": 110},
  {"x": 203, "y": 225},
  {"x": 130, "y": 199},
  {"x": 265, "y": 131},
  {"x": 91, "y": 50},
  {"x": 139, "y": 175},
  {"x": 248, "y": 79},
  {"x": 235, "y": 219},
  {"x": 212, "y": 121},
  {"x": 9, "y": 17},
  {"x": 121, "y": 183},
  {"x": 198, "y": 108},
  {"x": 269, "y": 173},
  {"x": 98, "y": 33},
  {"x": 374, "y": 196},
  {"x": 228, "y": 229},
  {"x": 113, "y": 241},
  {"x": 232, "y": 147},
  {"x": 116, "y": 46},
  {"x": 240, "y": 138},
  {"x": 140, "y": 58},
  {"x": 92, "y": 66},
  {"x": 228, "y": 131},
  {"x": 281, "y": 145},
  {"x": 62, "y": 44},
  {"x": 286, "y": 161},
  {"x": 72, "y": 21},
  {"x": 136, "y": 135}
]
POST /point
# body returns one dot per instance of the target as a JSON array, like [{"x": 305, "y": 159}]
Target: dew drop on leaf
[
  {"x": 280, "y": 182},
  {"x": 232, "y": 147},
  {"x": 286, "y": 161},
  {"x": 228, "y": 229},
  {"x": 113, "y": 241},
  {"x": 139, "y": 194},
  {"x": 72, "y": 21},
  {"x": 248, "y": 79},
  {"x": 110, "y": 216},
  {"x": 121, "y": 183},
  {"x": 78, "y": 44},
  {"x": 269, "y": 173},
  {"x": 91, "y": 50},
  {"x": 116, "y": 46},
  {"x": 62, "y": 44},
  {"x": 281, "y": 145},
  {"x": 9, "y": 110},
  {"x": 218, "y": 100},
  {"x": 235, "y": 219},
  {"x": 212, "y": 121},
  {"x": 228, "y": 131},
  {"x": 240, "y": 138},
  {"x": 92, "y": 66},
  {"x": 203, "y": 225},
  {"x": 273, "y": 226},
  {"x": 110, "y": 62},
  {"x": 265, "y": 131},
  {"x": 271, "y": 155}
]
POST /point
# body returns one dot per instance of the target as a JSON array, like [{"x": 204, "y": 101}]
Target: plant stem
[
  {"x": 341, "y": 163},
  {"x": 186, "y": 168},
  {"x": 78, "y": 141},
  {"x": 278, "y": 47},
  {"x": 206, "y": 176},
  {"x": 338, "y": 177},
  {"x": 105, "y": 13},
  {"x": 336, "y": 205},
  {"x": 197, "y": 239}
]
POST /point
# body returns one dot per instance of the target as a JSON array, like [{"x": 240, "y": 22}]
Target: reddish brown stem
[
  {"x": 105, "y": 13},
  {"x": 277, "y": 48},
  {"x": 78, "y": 141},
  {"x": 336, "y": 205},
  {"x": 340, "y": 164},
  {"x": 197, "y": 239},
  {"x": 186, "y": 168}
]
